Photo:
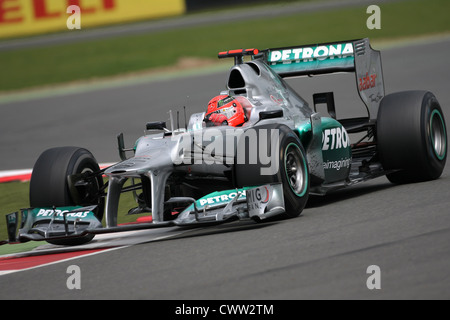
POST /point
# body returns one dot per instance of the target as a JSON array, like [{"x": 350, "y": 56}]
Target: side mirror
[
  {"x": 121, "y": 146},
  {"x": 271, "y": 114},
  {"x": 157, "y": 125}
]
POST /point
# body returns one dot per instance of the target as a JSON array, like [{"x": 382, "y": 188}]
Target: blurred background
[{"x": 122, "y": 37}]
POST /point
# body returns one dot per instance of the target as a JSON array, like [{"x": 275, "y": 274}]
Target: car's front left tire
[{"x": 49, "y": 183}]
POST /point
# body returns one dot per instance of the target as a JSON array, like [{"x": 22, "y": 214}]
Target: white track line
[{"x": 16, "y": 175}]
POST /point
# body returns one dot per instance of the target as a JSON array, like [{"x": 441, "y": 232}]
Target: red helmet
[{"x": 225, "y": 110}]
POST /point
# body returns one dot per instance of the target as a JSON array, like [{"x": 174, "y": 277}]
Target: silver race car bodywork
[
  {"x": 260, "y": 83},
  {"x": 200, "y": 175}
]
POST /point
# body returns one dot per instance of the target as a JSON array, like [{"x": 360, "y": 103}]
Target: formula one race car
[{"x": 257, "y": 153}]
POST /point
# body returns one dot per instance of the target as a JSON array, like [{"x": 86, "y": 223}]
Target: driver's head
[{"x": 225, "y": 110}]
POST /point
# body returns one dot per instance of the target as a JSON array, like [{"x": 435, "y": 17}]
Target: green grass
[
  {"x": 13, "y": 196},
  {"x": 102, "y": 58}
]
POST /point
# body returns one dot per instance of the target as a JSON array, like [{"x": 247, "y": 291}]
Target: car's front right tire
[{"x": 288, "y": 165}]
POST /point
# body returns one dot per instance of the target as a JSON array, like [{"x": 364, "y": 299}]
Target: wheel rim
[
  {"x": 438, "y": 135},
  {"x": 98, "y": 212},
  {"x": 86, "y": 189},
  {"x": 295, "y": 169}
]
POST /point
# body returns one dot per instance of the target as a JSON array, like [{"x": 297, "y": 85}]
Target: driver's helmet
[{"x": 225, "y": 110}]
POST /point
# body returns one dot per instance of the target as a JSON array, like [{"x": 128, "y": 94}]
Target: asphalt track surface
[{"x": 323, "y": 254}]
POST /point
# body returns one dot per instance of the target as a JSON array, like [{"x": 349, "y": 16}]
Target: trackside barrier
[
  {"x": 24, "y": 175},
  {"x": 30, "y": 17}
]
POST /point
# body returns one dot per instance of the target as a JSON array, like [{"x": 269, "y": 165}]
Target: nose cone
[
  {"x": 151, "y": 155},
  {"x": 129, "y": 167}
]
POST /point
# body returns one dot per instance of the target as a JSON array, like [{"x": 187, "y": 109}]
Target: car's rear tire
[
  {"x": 292, "y": 169},
  {"x": 411, "y": 136},
  {"x": 49, "y": 186}
]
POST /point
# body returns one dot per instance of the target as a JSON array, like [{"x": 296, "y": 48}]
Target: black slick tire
[
  {"x": 411, "y": 136},
  {"x": 292, "y": 170},
  {"x": 49, "y": 186}
]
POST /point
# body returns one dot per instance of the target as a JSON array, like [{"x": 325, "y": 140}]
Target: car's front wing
[{"x": 257, "y": 203}]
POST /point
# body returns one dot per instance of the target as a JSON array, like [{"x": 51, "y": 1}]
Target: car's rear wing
[
  {"x": 346, "y": 56},
  {"x": 311, "y": 59}
]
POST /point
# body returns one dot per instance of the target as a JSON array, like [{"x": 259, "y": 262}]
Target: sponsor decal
[
  {"x": 221, "y": 198},
  {"x": 60, "y": 213},
  {"x": 375, "y": 97},
  {"x": 367, "y": 82},
  {"x": 321, "y": 52},
  {"x": 257, "y": 199},
  {"x": 335, "y": 138},
  {"x": 337, "y": 165},
  {"x": 276, "y": 100}
]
